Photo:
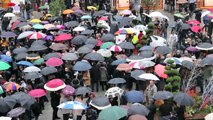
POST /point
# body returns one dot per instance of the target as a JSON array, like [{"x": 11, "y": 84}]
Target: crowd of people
[{"x": 80, "y": 53}]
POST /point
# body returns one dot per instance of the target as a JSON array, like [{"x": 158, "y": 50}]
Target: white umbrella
[
  {"x": 209, "y": 116},
  {"x": 9, "y": 15},
  {"x": 32, "y": 69},
  {"x": 205, "y": 13},
  {"x": 25, "y": 34},
  {"x": 5, "y": 118},
  {"x": 157, "y": 41},
  {"x": 158, "y": 15},
  {"x": 140, "y": 27},
  {"x": 76, "y": 29},
  {"x": 148, "y": 76},
  {"x": 113, "y": 92}
]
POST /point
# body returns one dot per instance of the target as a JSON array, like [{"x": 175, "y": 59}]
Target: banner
[{"x": 123, "y": 3}]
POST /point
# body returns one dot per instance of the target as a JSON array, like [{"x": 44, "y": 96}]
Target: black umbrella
[
  {"x": 6, "y": 104},
  {"x": 8, "y": 34},
  {"x": 84, "y": 50},
  {"x": 71, "y": 24},
  {"x": 90, "y": 46},
  {"x": 41, "y": 42},
  {"x": 183, "y": 99},
  {"x": 116, "y": 81},
  {"x": 187, "y": 64},
  {"x": 138, "y": 108},
  {"x": 163, "y": 50},
  {"x": 48, "y": 70},
  {"x": 58, "y": 46},
  {"x": 126, "y": 45},
  {"x": 185, "y": 26},
  {"x": 204, "y": 46},
  {"x": 108, "y": 37},
  {"x": 147, "y": 54},
  {"x": 82, "y": 66},
  {"x": 79, "y": 40},
  {"x": 20, "y": 50},
  {"x": 82, "y": 90},
  {"x": 87, "y": 32},
  {"x": 100, "y": 103},
  {"x": 32, "y": 76},
  {"x": 94, "y": 57},
  {"x": 162, "y": 95},
  {"x": 69, "y": 56},
  {"x": 125, "y": 21},
  {"x": 91, "y": 41},
  {"x": 51, "y": 55},
  {"x": 21, "y": 56},
  {"x": 99, "y": 13},
  {"x": 137, "y": 73},
  {"x": 37, "y": 48}
]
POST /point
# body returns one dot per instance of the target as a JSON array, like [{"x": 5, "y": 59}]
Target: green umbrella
[
  {"x": 112, "y": 113},
  {"x": 39, "y": 61},
  {"x": 4, "y": 65},
  {"x": 1, "y": 90},
  {"x": 179, "y": 15},
  {"x": 44, "y": 7},
  {"x": 38, "y": 26},
  {"x": 107, "y": 45}
]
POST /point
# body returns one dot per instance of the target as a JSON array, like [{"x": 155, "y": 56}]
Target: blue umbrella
[
  {"x": 82, "y": 66},
  {"x": 72, "y": 105},
  {"x": 176, "y": 60},
  {"x": 119, "y": 61},
  {"x": 86, "y": 17},
  {"x": 116, "y": 81},
  {"x": 25, "y": 63},
  {"x": 134, "y": 96},
  {"x": 146, "y": 47},
  {"x": 6, "y": 58}
]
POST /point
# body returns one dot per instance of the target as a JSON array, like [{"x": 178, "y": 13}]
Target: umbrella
[
  {"x": 107, "y": 45},
  {"x": 4, "y": 66},
  {"x": 71, "y": 24},
  {"x": 91, "y": 40},
  {"x": 84, "y": 50},
  {"x": 113, "y": 92},
  {"x": 107, "y": 37},
  {"x": 187, "y": 64},
  {"x": 209, "y": 116},
  {"x": 48, "y": 70},
  {"x": 72, "y": 105},
  {"x": 24, "y": 63},
  {"x": 116, "y": 81},
  {"x": 91, "y": 7},
  {"x": 103, "y": 18},
  {"x": 126, "y": 45},
  {"x": 124, "y": 67},
  {"x": 139, "y": 109},
  {"x": 38, "y": 26},
  {"x": 105, "y": 53},
  {"x": 68, "y": 11},
  {"x": 100, "y": 103},
  {"x": 68, "y": 90},
  {"x": 137, "y": 117},
  {"x": 37, "y": 47},
  {"x": 82, "y": 90},
  {"x": 183, "y": 99},
  {"x": 162, "y": 95},
  {"x": 134, "y": 58},
  {"x": 32, "y": 69},
  {"x": 6, "y": 104},
  {"x": 35, "y": 21},
  {"x": 99, "y": 13},
  {"x": 163, "y": 50},
  {"x": 137, "y": 73},
  {"x": 21, "y": 56},
  {"x": 204, "y": 46},
  {"x": 37, "y": 93},
  {"x": 187, "y": 59},
  {"x": 118, "y": 61},
  {"x": 160, "y": 71},
  {"x": 79, "y": 40},
  {"x": 37, "y": 35},
  {"x": 112, "y": 113},
  {"x": 69, "y": 56},
  {"x": 19, "y": 50},
  {"x": 25, "y": 34},
  {"x": 1, "y": 90},
  {"x": 16, "y": 112},
  {"x": 185, "y": 26},
  {"x": 32, "y": 76},
  {"x": 94, "y": 57},
  {"x": 58, "y": 46},
  {"x": 205, "y": 13},
  {"x": 21, "y": 25},
  {"x": 140, "y": 27},
  {"x": 196, "y": 29},
  {"x": 115, "y": 48},
  {"x": 86, "y": 17},
  {"x": 134, "y": 96},
  {"x": 51, "y": 55},
  {"x": 125, "y": 12},
  {"x": 206, "y": 61},
  {"x": 42, "y": 42},
  {"x": 193, "y": 22},
  {"x": 48, "y": 26},
  {"x": 82, "y": 66},
  {"x": 192, "y": 49},
  {"x": 32, "y": 56},
  {"x": 147, "y": 55},
  {"x": 91, "y": 46},
  {"x": 11, "y": 4},
  {"x": 8, "y": 35},
  {"x": 87, "y": 32},
  {"x": 63, "y": 37},
  {"x": 179, "y": 15},
  {"x": 6, "y": 58},
  {"x": 148, "y": 76},
  {"x": 176, "y": 60},
  {"x": 157, "y": 41},
  {"x": 5, "y": 118},
  {"x": 54, "y": 85},
  {"x": 146, "y": 63},
  {"x": 9, "y": 15},
  {"x": 39, "y": 61},
  {"x": 54, "y": 62},
  {"x": 79, "y": 29}
]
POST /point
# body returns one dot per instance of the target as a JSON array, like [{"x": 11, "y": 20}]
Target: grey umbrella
[
  {"x": 162, "y": 95},
  {"x": 69, "y": 56},
  {"x": 100, "y": 103},
  {"x": 21, "y": 56},
  {"x": 145, "y": 48},
  {"x": 91, "y": 40},
  {"x": 87, "y": 32},
  {"x": 134, "y": 57},
  {"x": 58, "y": 46},
  {"x": 82, "y": 90},
  {"x": 6, "y": 104},
  {"x": 119, "y": 61},
  {"x": 16, "y": 112},
  {"x": 204, "y": 46},
  {"x": 71, "y": 24},
  {"x": 206, "y": 61},
  {"x": 185, "y": 26},
  {"x": 37, "y": 48},
  {"x": 41, "y": 42},
  {"x": 91, "y": 46},
  {"x": 146, "y": 54},
  {"x": 117, "y": 17},
  {"x": 8, "y": 34},
  {"x": 116, "y": 81},
  {"x": 84, "y": 50},
  {"x": 125, "y": 21},
  {"x": 137, "y": 73},
  {"x": 20, "y": 50},
  {"x": 183, "y": 99},
  {"x": 20, "y": 25},
  {"x": 51, "y": 55},
  {"x": 99, "y": 13},
  {"x": 4, "y": 107},
  {"x": 138, "y": 108},
  {"x": 108, "y": 37},
  {"x": 82, "y": 66},
  {"x": 163, "y": 50},
  {"x": 48, "y": 70},
  {"x": 94, "y": 57},
  {"x": 79, "y": 40},
  {"x": 187, "y": 64},
  {"x": 32, "y": 76},
  {"x": 126, "y": 45}
]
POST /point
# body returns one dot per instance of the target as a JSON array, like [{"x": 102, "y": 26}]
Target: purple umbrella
[
  {"x": 8, "y": 34},
  {"x": 192, "y": 49},
  {"x": 68, "y": 90},
  {"x": 44, "y": 22},
  {"x": 48, "y": 37}
]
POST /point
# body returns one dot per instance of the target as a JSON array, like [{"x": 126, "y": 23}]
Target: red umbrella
[
  {"x": 115, "y": 48},
  {"x": 54, "y": 85},
  {"x": 14, "y": 24},
  {"x": 103, "y": 18},
  {"x": 68, "y": 90},
  {"x": 196, "y": 28},
  {"x": 124, "y": 67},
  {"x": 160, "y": 71},
  {"x": 37, "y": 35},
  {"x": 11, "y": 4},
  {"x": 54, "y": 62},
  {"x": 63, "y": 37},
  {"x": 37, "y": 93},
  {"x": 99, "y": 43},
  {"x": 193, "y": 22}
]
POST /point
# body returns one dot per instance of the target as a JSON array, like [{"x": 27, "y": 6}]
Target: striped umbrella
[
  {"x": 37, "y": 35},
  {"x": 115, "y": 48}
]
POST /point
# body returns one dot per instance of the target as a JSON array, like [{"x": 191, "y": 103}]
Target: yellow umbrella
[
  {"x": 67, "y": 11},
  {"x": 49, "y": 15},
  {"x": 91, "y": 7},
  {"x": 35, "y": 21}
]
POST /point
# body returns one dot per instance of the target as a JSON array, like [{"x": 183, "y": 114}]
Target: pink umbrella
[
  {"x": 196, "y": 29},
  {"x": 61, "y": 27},
  {"x": 121, "y": 56},
  {"x": 54, "y": 85},
  {"x": 124, "y": 67},
  {"x": 193, "y": 22},
  {"x": 14, "y": 24},
  {"x": 103, "y": 18},
  {"x": 126, "y": 12},
  {"x": 115, "y": 48},
  {"x": 63, "y": 37},
  {"x": 37, "y": 35},
  {"x": 68, "y": 90},
  {"x": 160, "y": 71},
  {"x": 37, "y": 93},
  {"x": 54, "y": 62},
  {"x": 136, "y": 65},
  {"x": 99, "y": 43}
]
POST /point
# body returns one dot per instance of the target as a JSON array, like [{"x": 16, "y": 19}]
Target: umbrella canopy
[
  {"x": 134, "y": 96},
  {"x": 115, "y": 48},
  {"x": 82, "y": 66},
  {"x": 124, "y": 67},
  {"x": 42, "y": 42},
  {"x": 209, "y": 116},
  {"x": 37, "y": 35},
  {"x": 79, "y": 29},
  {"x": 112, "y": 113},
  {"x": 107, "y": 37},
  {"x": 5, "y": 118},
  {"x": 204, "y": 46},
  {"x": 58, "y": 46},
  {"x": 137, "y": 117},
  {"x": 176, "y": 60},
  {"x": 68, "y": 90},
  {"x": 38, "y": 26},
  {"x": 63, "y": 37},
  {"x": 86, "y": 17},
  {"x": 21, "y": 56},
  {"x": 163, "y": 50},
  {"x": 162, "y": 95},
  {"x": 160, "y": 71},
  {"x": 32, "y": 69},
  {"x": 79, "y": 40},
  {"x": 116, "y": 81},
  {"x": 196, "y": 29},
  {"x": 1, "y": 90},
  {"x": 119, "y": 61},
  {"x": 140, "y": 27},
  {"x": 192, "y": 49},
  {"x": 35, "y": 21},
  {"x": 8, "y": 35},
  {"x": 48, "y": 26},
  {"x": 206, "y": 61},
  {"x": 11, "y": 86},
  {"x": 105, "y": 53},
  {"x": 54, "y": 85},
  {"x": 32, "y": 76},
  {"x": 91, "y": 40},
  {"x": 84, "y": 50},
  {"x": 100, "y": 103},
  {"x": 94, "y": 57},
  {"x": 37, "y": 93},
  {"x": 187, "y": 64},
  {"x": 127, "y": 45},
  {"x": 134, "y": 58},
  {"x": 37, "y": 47},
  {"x": 87, "y": 32},
  {"x": 6, "y": 58},
  {"x": 107, "y": 45},
  {"x": 185, "y": 26},
  {"x": 72, "y": 105},
  {"x": 24, "y": 63},
  {"x": 25, "y": 34},
  {"x": 4, "y": 66},
  {"x": 16, "y": 112},
  {"x": 183, "y": 99},
  {"x": 69, "y": 56},
  {"x": 7, "y": 103},
  {"x": 51, "y": 55},
  {"x": 54, "y": 62},
  {"x": 139, "y": 109},
  {"x": 48, "y": 70},
  {"x": 137, "y": 73},
  {"x": 113, "y": 92},
  {"x": 83, "y": 90},
  {"x": 193, "y": 22},
  {"x": 148, "y": 76},
  {"x": 67, "y": 11},
  {"x": 20, "y": 50},
  {"x": 9, "y": 15},
  {"x": 157, "y": 41},
  {"x": 71, "y": 24},
  {"x": 39, "y": 61}
]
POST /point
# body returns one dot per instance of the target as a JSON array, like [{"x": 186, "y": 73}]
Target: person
[
  {"x": 77, "y": 114},
  {"x": 86, "y": 78},
  {"x": 103, "y": 76},
  {"x": 150, "y": 91},
  {"x": 36, "y": 109},
  {"x": 95, "y": 76},
  {"x": 55, "y": 101},
  {"x": 5, "y": 23},
  {"x": 173, "y": 39},
  {"x": 66, "y": 113},
  {"x": 165, "y": 110}
]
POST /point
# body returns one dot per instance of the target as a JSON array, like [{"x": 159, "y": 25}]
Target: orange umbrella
[
  {"x": 10, "y": 86},
  {"x": 160, "y": 71},
  {"x": 67, "y": 11},
  {"x": 124, "y": 67}
]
